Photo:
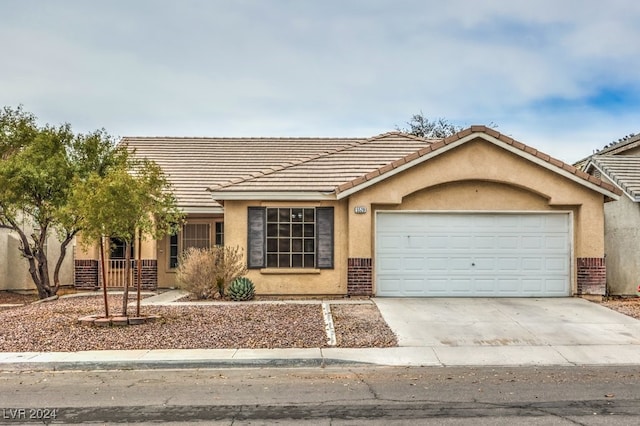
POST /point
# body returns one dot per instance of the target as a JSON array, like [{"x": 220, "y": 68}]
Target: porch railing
[{"x": 116, "y": 273}]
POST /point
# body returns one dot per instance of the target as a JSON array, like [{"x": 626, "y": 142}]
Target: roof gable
[
  {"x": 489, "y": 135},
  {"x": 623, "y": 170}
]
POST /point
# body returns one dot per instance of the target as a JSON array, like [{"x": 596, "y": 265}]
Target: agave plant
[{"x": 241, "y": 289}]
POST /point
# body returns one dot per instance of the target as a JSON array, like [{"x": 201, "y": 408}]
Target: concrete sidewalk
[
  {"x": 422, "y": 333},
  {"x": 443, "y": 356}
]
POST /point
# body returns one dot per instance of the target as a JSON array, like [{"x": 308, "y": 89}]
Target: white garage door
[{"x": 472, "y": 255}]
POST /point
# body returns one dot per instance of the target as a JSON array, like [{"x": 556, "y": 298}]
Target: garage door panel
[
  {"x": 532, "y": 242},
  {"x": 390, "y": 242},
  {"x": 533, "y": 285},
  {"x": 411, "y": 264},
  {"x": 389, "y": 264},
  {"x": 507, "y": 242},
  {"x": 532, "y": 264},
  {"x": 485, "y": 286},
  {"x": 459, "y": 263},
  {"x": 481, "y": 264},
  {"x": 484, "y": 242},
  {"x": 504, "y": 255},
  {"x": 510, "y": 264},
  {"x": 460, "y": 284},
  {"x": 436, "y": 242},
  {"x": 555, "y": 285},
  {"x": 434, "y": 264},
  {"x": 437, "y": 285},
  {"x": 559, "y": 264},
  {"x": 461, "y": 242},
  {"x": 413, "y": 285},
  {"x": 556, "y": 242}
]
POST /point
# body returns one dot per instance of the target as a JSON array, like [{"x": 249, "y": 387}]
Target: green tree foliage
[
  {"x": 133, "y": 199},
  {"x": 39, "y": 167},
  {"x": 419, "y": 125}
]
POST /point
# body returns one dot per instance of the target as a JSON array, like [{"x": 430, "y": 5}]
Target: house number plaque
[{"x": 360, "y": 210}]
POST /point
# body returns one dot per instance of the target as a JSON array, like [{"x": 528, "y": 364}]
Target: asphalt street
[{"x": 335, "y": 395}]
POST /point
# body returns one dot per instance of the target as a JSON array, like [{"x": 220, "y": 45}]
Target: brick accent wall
[
  {"x": 592, "y": 276},
  {"x": 88, "y": 275},
  {"x": 85, "y": 274},
  {"x": 359, "y": 277},
  {"x": 149, "y": 274}
]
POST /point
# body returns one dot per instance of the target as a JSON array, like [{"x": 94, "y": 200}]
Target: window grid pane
[
  {"x": 173, "y": 251},
  {"x": 219, "y": 233},
  {"x": 291, "y": 237},
  {"x": 196, "y": 235}
]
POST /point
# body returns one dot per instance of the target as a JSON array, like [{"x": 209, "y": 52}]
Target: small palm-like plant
[{"x": 241, "y": 289}]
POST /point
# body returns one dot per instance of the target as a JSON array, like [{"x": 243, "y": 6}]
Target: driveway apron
[{"x": 457, "y": 322}]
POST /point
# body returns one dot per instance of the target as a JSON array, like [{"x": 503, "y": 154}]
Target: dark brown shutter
[
  {"x": 256, "y": 238},
  {"x": 324, "y": 236}
]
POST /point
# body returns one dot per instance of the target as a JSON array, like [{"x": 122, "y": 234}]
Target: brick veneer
[
  {"x": 85, "y": 274},
  {"x": 359, "y": 277},
  {"x": 592, "y": 276},
  {"x": 149, "y": 274}
]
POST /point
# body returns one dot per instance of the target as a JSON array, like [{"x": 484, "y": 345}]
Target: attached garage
[
  {"x": 428, "y": 254},
  {"x": 477, "y": 214}
]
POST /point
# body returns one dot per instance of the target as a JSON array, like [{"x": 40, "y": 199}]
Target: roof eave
[
  {"x": 200, "y": 209},
  {"x": 273, "y": 195},
  {"x": 553, "y": 168}
]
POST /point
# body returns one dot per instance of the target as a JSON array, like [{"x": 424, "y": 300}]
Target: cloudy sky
[{"x": 560, "y": 75}]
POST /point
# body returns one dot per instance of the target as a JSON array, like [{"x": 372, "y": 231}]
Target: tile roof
[
  {"x": 325, "y": 172},
  {"x": 354, "y": 167},
  {"x": 195, "y": 164},
  {"x": 326, "y": 167},
  {"x": 623, "y": 170},
  {"x": 622, "y": 145}
]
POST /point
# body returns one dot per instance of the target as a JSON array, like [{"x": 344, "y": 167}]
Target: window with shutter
[
  {"x": 290, "y": 237},
  {"x": 256, "y": 242}
]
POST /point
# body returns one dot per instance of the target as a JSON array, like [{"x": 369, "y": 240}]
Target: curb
[{"x": 174, "y": 364}]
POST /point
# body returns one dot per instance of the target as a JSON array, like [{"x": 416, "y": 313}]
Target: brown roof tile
[{"x": 295, "y": 164}]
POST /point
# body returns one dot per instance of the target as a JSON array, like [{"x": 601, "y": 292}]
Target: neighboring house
[
  {"x": 477, "y": 214},
  {"x": 619, "y": 164},
  {"x": 14, "y": 268}
]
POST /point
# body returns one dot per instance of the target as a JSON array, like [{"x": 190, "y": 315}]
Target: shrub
[
  {"x": 206, "y": 273},
  {"x": 241, "y": 288}
]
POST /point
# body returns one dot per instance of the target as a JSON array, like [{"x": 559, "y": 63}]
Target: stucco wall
[
  {"x": 294, "y": 281},
  {"x": 622, "y": 246},
  {"x": 504, "y": 181},
  {"x": 166, "y": 275},
  {"x": 14, "y": 269},
  {"x": 480, "y": 176},
  {"x": 90, "y": 250}
]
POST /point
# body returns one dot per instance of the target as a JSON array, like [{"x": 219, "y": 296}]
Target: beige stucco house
[
  {"x": 619, "y": 164},
  {"x": 477, "y": 214}
]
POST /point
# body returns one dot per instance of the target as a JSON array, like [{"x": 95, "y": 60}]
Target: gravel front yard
[
  {"x": 627, "y": 306},
  {"x": 53, "y": 326}
]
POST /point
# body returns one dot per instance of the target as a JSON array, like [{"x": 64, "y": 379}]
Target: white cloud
[{"x": 326, "y": 68}]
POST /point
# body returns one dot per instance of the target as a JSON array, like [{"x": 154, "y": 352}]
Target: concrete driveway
[{"x": 513, "y": 331}]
